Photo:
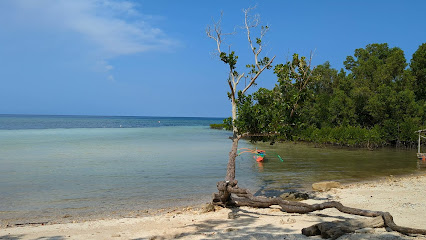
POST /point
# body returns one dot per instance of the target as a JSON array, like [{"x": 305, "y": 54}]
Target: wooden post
[{"x": 419, "y": 143}]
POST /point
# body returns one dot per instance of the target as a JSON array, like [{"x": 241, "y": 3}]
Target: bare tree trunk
[
  {"x": 215, "y": 32},
  {"x": 230, "y": 171},
  {"x": 224, "y": 196}
]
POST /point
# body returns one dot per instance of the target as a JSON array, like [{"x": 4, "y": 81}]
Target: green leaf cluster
[{"x": 230, "y": 59}]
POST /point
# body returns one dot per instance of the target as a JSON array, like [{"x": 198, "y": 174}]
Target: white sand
[{"x": 404, "y": 198}]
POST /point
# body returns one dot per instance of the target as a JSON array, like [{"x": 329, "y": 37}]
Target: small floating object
[{"x": 259, "y": 155}]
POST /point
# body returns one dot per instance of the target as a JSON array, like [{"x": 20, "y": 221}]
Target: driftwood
[
  {"x": 231, "y": 195},
  {"x": 336, "y": 229}
]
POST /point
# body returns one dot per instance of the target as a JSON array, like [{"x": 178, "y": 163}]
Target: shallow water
[
  {"x": 304, "y": 164},
  {"x": 108, "y": 169},
  {"x": 49, "y": 172}
]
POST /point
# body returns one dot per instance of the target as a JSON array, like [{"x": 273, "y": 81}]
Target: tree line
[{"x": 378, "y": 99}]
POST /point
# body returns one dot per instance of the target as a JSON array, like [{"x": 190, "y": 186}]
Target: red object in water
[{"x": 260, "y": 155}]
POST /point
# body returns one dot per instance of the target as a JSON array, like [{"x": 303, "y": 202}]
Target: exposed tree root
[
  {"x": 231, "y": 195},
  {"x": 336, "y": 229}
]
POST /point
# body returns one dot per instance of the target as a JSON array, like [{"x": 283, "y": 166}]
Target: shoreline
[
  {"x": 403, "y": 196},
  {"x": 64, "y": 217}
]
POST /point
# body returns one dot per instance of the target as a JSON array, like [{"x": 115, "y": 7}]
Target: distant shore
[{"x": 404, "y": 197}]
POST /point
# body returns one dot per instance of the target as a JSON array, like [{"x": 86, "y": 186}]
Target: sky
[{"x": 153, "y": 58}]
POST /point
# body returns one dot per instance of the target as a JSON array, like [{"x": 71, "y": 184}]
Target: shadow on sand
[
  {"x": 246, "y": 225},
  {"x": 18, "y": 237}
]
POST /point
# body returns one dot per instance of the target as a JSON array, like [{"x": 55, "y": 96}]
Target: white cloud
[
  {"x": 111, "y": 28},
  {"x": 114, "y": 27}
]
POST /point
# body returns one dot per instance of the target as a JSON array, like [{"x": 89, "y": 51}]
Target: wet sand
[{"x": 404, "y": 198}]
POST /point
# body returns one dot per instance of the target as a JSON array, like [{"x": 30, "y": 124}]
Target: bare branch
[
  {"x": 239, "y": 78},
  {"x": 253, "y": 79},
  {"x": 232, "y": 91},
  {"x": 214, "y": 32},
  {"x": 307, "y": 72},
  {"x": 253, "y": 21},
  {"x": 250, "y": 22}
]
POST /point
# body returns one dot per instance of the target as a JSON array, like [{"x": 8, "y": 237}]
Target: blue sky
[{"x": 152, "y": 58}]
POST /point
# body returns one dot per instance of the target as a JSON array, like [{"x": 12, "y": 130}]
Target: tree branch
[
  {"x": 245, "y": 198},
  {"x": 253, "y": 22},
  {"x": 239, "y": 78},
  {"x": 232, "y": 90},
  {"x": 257, "y": 75},
  {"x": 216, "y": 33},
  {"x": 259, "y": 134}
]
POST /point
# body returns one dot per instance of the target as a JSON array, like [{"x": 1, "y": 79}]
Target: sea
[
  {"x": 53, "y": 166},
  {"x": 56, "y": 168}
]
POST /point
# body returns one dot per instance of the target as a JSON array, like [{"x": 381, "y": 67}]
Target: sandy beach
[{"x": 403, "y": 197}]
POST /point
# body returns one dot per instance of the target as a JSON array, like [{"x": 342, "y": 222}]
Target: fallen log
[
  {"x": 231, "y": 195},
  {"x": 336, "y": 229}
]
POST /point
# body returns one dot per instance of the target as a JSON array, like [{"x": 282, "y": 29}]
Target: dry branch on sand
[{"x": 231, "y": 195}]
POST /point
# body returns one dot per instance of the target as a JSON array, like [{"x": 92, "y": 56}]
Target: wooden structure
[{"x": 422, "y": 134}]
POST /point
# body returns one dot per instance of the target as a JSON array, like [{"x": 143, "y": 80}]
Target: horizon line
[{"x": 87, "y": 115}]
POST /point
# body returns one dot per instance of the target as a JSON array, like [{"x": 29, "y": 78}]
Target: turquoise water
[
  {"x": 49, "y": 171},
  {"x": 52, "y": 166},
  {"x": 10, "y": 122}
]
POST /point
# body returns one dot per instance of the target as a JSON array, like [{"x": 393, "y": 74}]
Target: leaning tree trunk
[
  {"x": 230, "y": 170},
  {"x": 223, "y": 198}
]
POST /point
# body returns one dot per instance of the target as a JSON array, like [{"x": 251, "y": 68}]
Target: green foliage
[
  {"x": 293, "y": 89},
  {"x": 259, "y": 112},
  {"x": 217, "y": 126},
  {"x": 230, "y": 59},
  {"x": 377, "y": 102},
  {"x": 258, "y": 41},
  {"x": 226, "y": 125},
  {"x": 418, "y": 68},
  {"x": 376, "y": 65},
  {"x": 343, "y": 136}
]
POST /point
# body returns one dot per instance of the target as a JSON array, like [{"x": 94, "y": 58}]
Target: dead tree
[
  {"x": 215, "y": 32},
  {"x": 229, "y": 194}
]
